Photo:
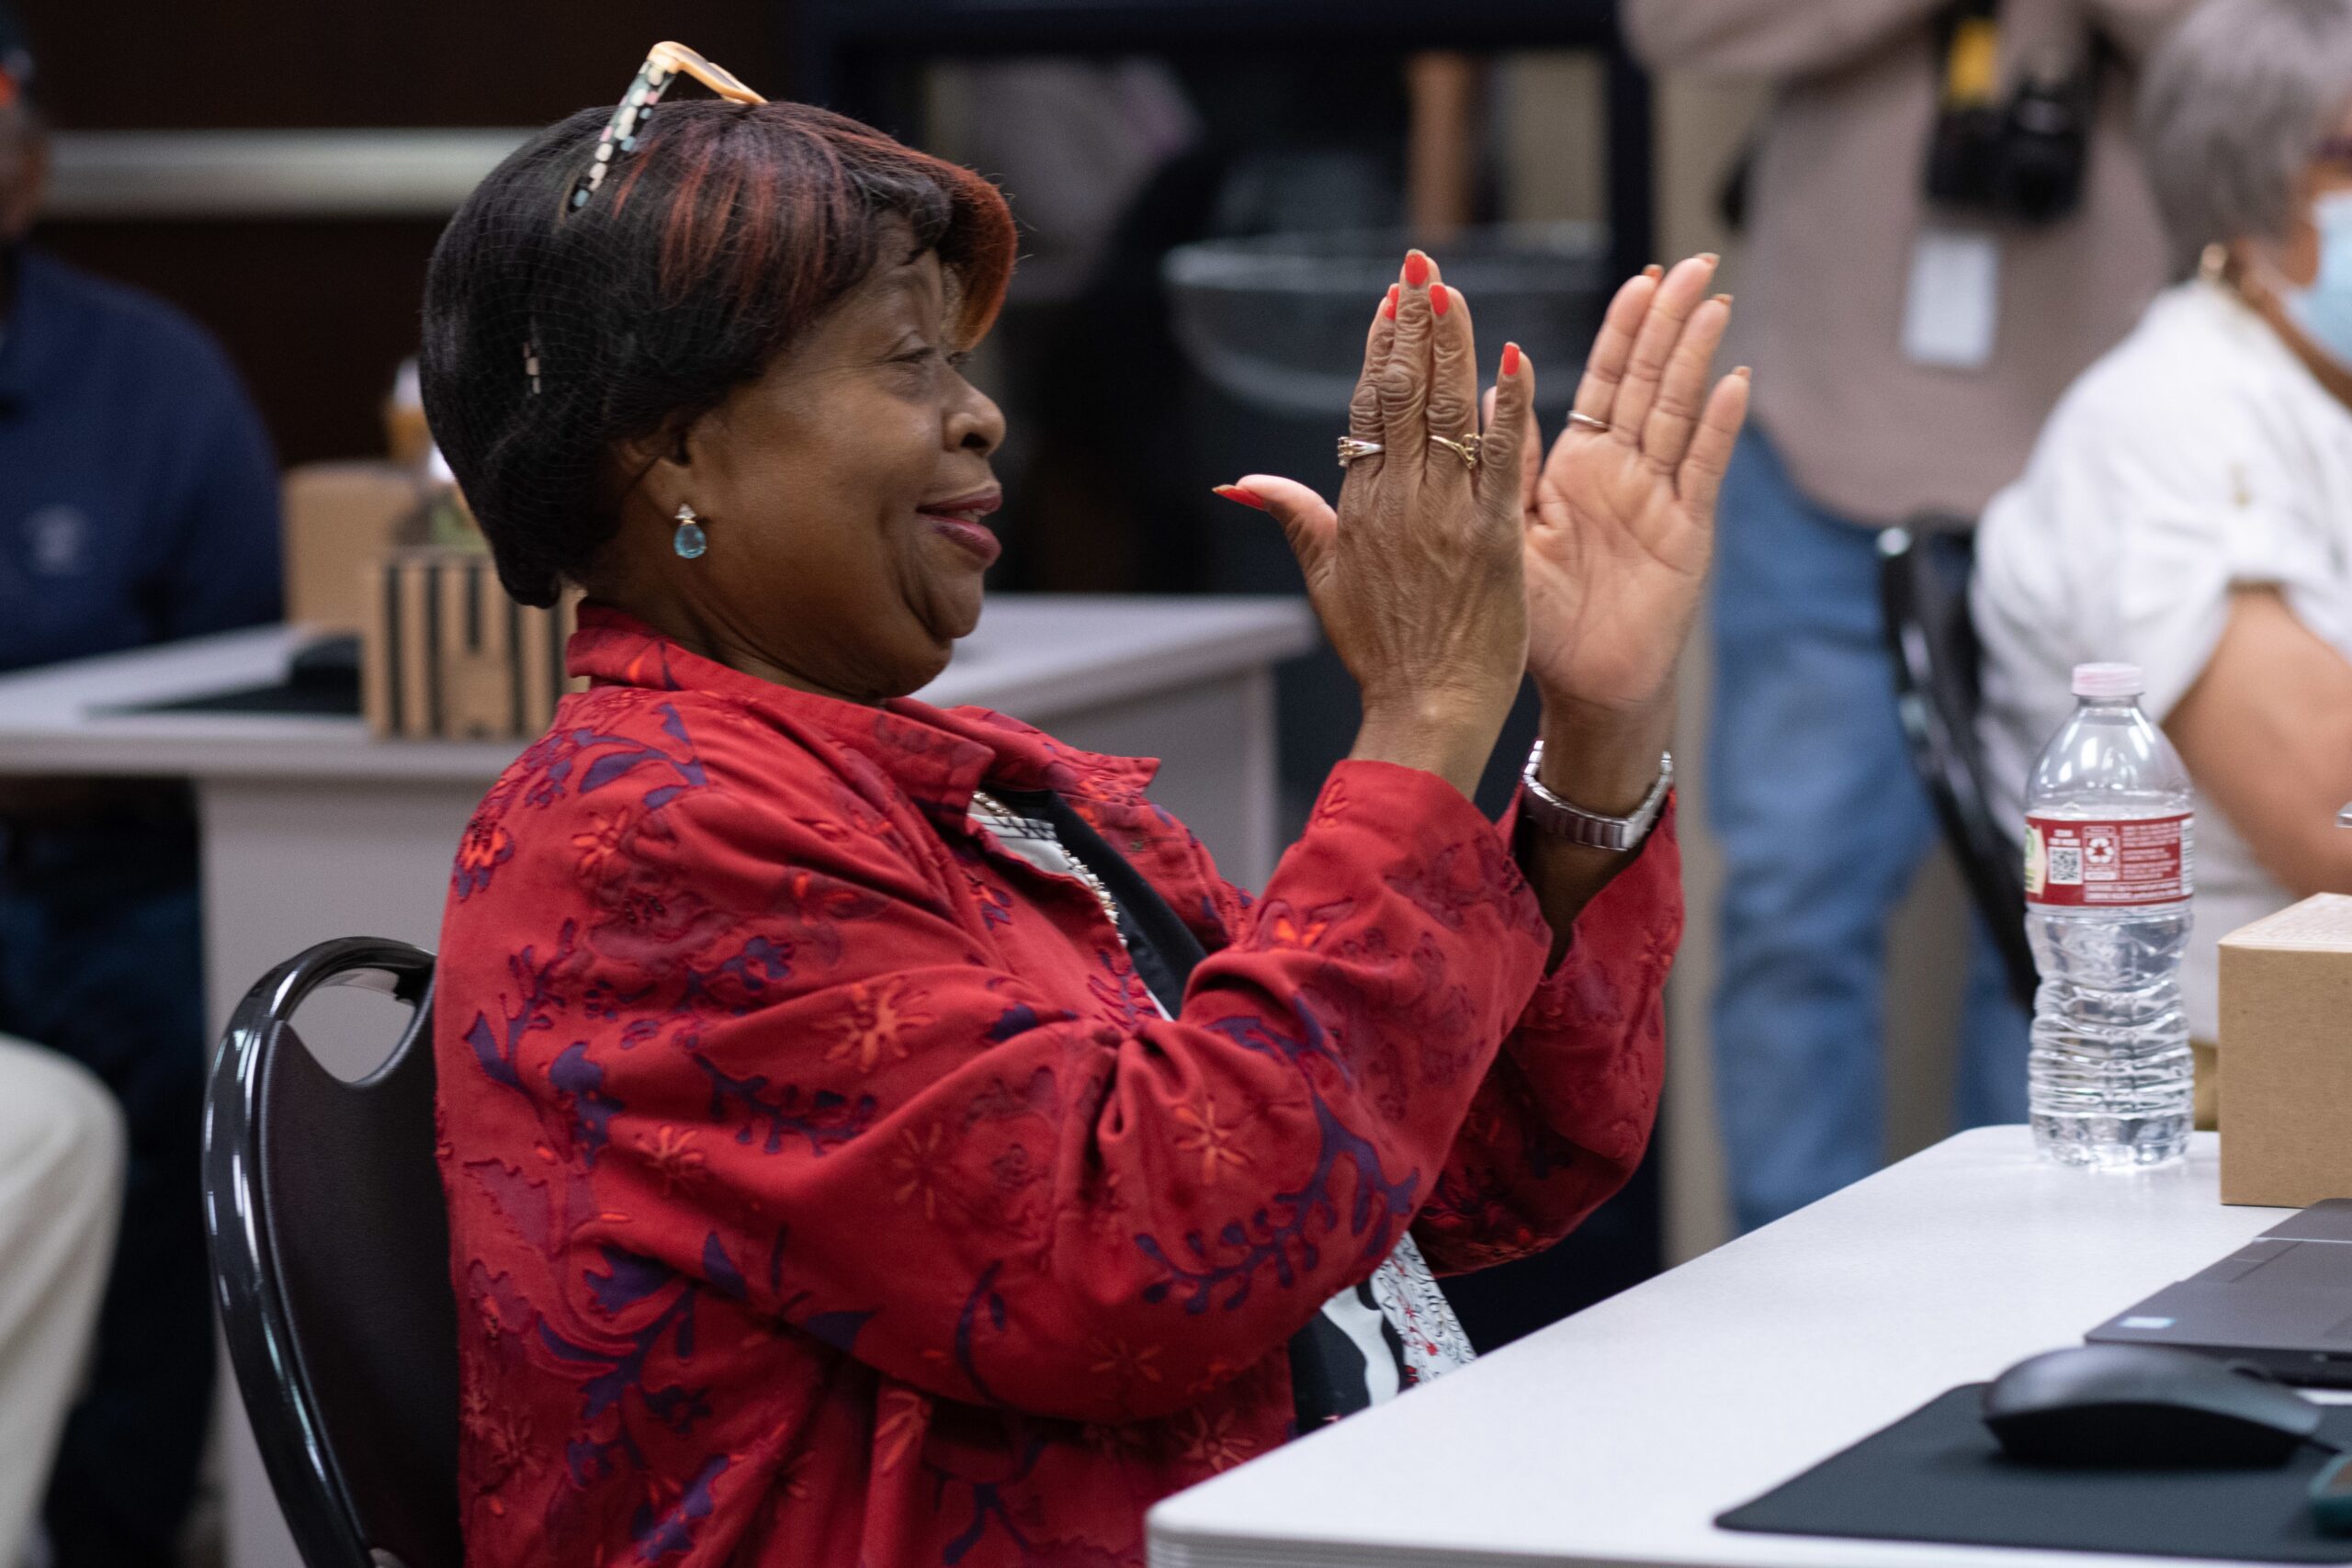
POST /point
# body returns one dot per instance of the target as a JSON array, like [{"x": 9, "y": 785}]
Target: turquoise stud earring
[{"x": 689, "y": 541}]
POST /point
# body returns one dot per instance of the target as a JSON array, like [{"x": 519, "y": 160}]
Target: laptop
[{"x": 2282, "y": 1303}]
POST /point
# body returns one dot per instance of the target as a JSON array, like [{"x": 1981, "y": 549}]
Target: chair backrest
[
  {"x": 1923, "y": 591},
  {"x": 330, "y": 1259}
]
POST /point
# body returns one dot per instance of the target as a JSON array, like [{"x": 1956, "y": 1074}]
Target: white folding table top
[
  {"x": 1617, "y": 1436},
  {"x": 1040, "y": 656}
]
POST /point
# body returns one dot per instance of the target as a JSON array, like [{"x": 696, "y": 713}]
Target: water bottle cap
[{"x": 2108, "y": 680}]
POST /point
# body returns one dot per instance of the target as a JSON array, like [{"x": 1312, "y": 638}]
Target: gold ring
[
  {"x": 1589, "y": 422},
  {"x": 1467, "y": 448},
  {"x": 1352, "y": 447}
]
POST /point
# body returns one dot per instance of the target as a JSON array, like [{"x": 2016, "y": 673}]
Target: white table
[
  {"x": 1617, "y": 1436},
  {"x": 313, "y": 830}
]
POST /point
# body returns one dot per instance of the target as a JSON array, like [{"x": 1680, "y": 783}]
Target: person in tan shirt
[{"x": 1905, "y": 354}]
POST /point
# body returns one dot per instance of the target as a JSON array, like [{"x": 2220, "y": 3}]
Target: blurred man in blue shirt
[{"x": 137, "y": 504}]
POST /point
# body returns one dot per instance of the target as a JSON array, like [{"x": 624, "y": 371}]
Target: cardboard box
[
  {"x": 447, "y": 654},
  {"x": 338, "y": 517},
  {"x": 2285, "y": 1057}
]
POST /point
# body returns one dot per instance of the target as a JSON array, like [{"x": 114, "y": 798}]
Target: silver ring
[
  {"x": 1467, "y": 448},
  {"x": 1589, "y": 422},
  {"x": 1351, "y": 447}
]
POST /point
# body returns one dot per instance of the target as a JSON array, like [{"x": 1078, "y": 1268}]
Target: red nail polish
[
  {"x": 1244, "y": 497},
  {"x": 1511, "y": 359},
  {"x": 1440, "y": 299},
  {"x": 1389, "y": 309},
  {"x": 1417, "y": 269}
]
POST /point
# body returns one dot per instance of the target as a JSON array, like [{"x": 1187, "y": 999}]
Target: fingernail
[
  {"x": 1723, "y": 298},
  {"x": 1709, "y": 257},
  {"x": 1744, "y": 372},
  {"x": 1511, "y": 359},
  {"x": 1440, "y": 299},
  {"x": 1389, "y": 309},
  {"x": 1244, "y": 497},
  {"x": 1417, "y": 269},
  {"x": 1653, "y": 270}
]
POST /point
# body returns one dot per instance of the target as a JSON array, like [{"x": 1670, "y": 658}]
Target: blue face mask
[{"x": 2323, "y": 310}]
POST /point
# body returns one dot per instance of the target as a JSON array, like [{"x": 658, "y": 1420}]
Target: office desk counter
[
  {"x": 1617, "y": 1436},
  {"x": 313, "y": 830}
]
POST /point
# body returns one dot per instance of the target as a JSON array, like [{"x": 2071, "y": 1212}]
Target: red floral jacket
[{"x": 825, "y": 1188}]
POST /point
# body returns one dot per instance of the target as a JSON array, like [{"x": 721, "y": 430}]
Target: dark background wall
[{"x": 318, "y": 313}]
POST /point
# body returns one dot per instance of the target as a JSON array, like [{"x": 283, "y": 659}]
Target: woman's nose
[{"x": 978, "y": 425}]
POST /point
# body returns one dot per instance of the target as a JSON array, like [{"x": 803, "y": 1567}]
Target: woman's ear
[{"x": 658, "y": 466}]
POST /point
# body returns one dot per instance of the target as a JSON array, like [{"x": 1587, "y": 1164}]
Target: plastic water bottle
[{"x": 2108, "y": 876}]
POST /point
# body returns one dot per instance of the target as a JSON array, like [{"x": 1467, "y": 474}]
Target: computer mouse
[{"x": 2144, "y": 1406}]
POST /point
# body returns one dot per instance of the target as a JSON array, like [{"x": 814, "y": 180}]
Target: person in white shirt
[{"x": 2189, "y": 505}]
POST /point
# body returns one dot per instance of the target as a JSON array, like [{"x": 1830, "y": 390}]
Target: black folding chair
[
  {"x": 331, "y": 1258},
  {"x": 1923, "y": 591}
]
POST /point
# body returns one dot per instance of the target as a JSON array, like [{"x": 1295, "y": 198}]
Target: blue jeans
[{"x": 1823, "y": 825}]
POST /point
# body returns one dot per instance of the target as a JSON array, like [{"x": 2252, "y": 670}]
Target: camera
[{"x": 2023, "y": 161}]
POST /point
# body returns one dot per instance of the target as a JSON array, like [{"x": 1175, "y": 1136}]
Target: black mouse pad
[{"x": 1938, "y": 1475}]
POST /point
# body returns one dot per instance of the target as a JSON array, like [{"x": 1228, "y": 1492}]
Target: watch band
[{"x": 1577, "y": 825}]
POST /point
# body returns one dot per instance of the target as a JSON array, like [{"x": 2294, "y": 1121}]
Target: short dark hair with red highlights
[{"x": 551, "y": 336}]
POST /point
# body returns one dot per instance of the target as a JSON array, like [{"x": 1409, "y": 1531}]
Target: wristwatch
[{"x": 1577, "y": 825}]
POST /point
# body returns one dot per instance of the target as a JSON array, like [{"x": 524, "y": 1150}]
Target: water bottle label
[{"x": 2141, "y": 860}]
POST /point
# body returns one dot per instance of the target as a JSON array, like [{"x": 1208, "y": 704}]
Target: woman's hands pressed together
[{"x": 1418, "y": 576}]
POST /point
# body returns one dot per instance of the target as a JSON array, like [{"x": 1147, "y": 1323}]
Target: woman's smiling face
[{"x": 844, "y": 494}]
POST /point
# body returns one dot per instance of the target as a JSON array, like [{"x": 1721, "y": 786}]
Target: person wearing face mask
[
  {"x": 2189, "y": 505},
  {"x": 137, "y": 504}
]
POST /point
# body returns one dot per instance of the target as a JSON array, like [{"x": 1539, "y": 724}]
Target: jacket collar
[{"x": 937, "y": 755}]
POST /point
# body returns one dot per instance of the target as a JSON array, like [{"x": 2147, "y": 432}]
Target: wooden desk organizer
[{"x": 447, "y": 654}]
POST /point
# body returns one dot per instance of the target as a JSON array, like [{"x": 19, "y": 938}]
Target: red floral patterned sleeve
[
  {"x": 846, "y": 1114},
  {"x": 1563, "y": 1116}
]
